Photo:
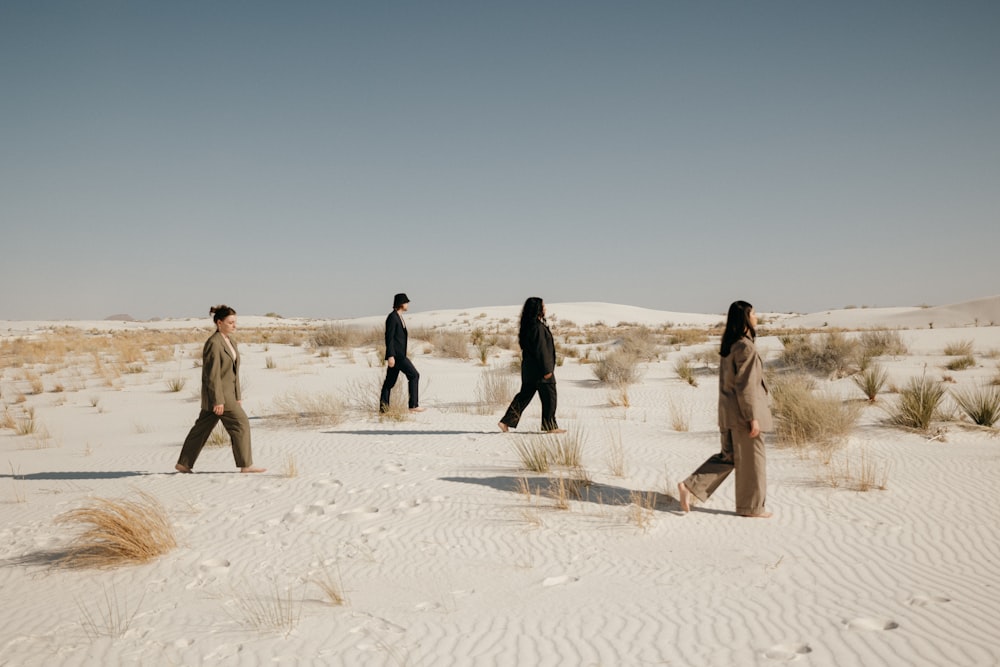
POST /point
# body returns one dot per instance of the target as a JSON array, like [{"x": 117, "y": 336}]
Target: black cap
[{"x": 399, "y": 300}]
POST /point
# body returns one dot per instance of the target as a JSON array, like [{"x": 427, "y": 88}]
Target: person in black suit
[
  {"x": 395, "y": 356},
  {"x": 538, "y": 361}
]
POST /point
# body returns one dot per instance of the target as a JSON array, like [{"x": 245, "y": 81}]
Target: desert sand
[{"x": 423, "y": 527}]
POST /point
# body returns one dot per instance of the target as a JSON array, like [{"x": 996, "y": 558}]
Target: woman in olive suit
[
  {"x": 220, "y": 397},
  {"x": 743, "y": 417}
]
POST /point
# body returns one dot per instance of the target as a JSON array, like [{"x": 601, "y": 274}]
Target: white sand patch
[{"x": 444, "y": 560}]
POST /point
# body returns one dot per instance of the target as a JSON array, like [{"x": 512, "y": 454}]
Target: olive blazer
[
  {"x": 742, "y": 391},
  {"x": 220, "y": 374}
]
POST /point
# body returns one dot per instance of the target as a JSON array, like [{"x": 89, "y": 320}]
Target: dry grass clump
[
  {"x": 618, "y": 367},
  {"x": 680, "y": 414},
  {"x": 118, "y": 532},
  {"x": 642, "y": 508},
  {"x": 540, "y": 452},
  {"x": 277, "y": 612},
  {"x": 685, "y": 370},
  {"x": 311, "y": 407},
  {"x": 343, "y": 336},
  {"x": 961, "y": 348},
  {"x": 218, "y": 437},
  {"x": 363, "y": 396},
  {"x": 881, "y": 342},
  {"x": 828, "y": 354},
  {"x": 871, "y": 381},
  {"x": 859, "y": 471},
  {"x": 332, "y": 586},
  {"x": 616, "y": 452},
  {"x": 446, "y": 343},
  {"x": 112, "y": 618},
  {"x": 806, "y": 418},
  {"x": 495, "y": 388},
  {"x": 918, "y": 403},
  {"x": 639, "y": 342},
  {"x": 980, "y": 404},
  {"x": 961, "y": 363},
  {"x": 175, "y": 384}
]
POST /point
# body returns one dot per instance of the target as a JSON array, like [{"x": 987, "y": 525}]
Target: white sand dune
[{"x": 445, "y": 562}]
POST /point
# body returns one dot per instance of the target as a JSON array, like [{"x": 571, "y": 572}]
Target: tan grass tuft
[{"x": 118, "y": 532}]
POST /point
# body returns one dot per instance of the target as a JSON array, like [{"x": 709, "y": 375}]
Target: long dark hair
[
  {"x": 221, "y": 312},
  {"x": 530, "y": 314},
  {"x": 737, "y": 326}
]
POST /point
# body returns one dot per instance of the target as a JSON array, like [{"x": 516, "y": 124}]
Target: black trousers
[
  {"x": 406, "y": 367},
  {"x": 546, "y": 392}
]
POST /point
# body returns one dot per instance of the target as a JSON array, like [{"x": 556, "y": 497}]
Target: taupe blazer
[
  {"x": 742, "y": 391},
  {"x": 220, "y": 374}
]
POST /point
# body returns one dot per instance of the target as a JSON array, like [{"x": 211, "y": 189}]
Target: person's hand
[
  {"x": 219, "y": 409},
  {"x": 754, "y": 428},
  {"x": 391, "y": 361},
  {"x": 547, "y": 376}
]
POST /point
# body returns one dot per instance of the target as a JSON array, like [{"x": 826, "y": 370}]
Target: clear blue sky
[{"x": 313, "y": 158}]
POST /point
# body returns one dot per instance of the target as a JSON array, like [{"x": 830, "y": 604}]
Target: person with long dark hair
[
  {"x": 744, "y": 416},
  {"x": 221, "y": 399},
  {"x": 538, "y": 361}
]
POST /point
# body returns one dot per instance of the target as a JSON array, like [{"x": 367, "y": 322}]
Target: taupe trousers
[
  {"x": 746, "y": 456},
  {"x": 742, "y": 399},
  {"x": 220, "y": 385}
]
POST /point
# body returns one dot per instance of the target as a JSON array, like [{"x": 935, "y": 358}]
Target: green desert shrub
[
  {"x": 805, "y": 417},
  {"x": 980, "y": 404},
  {"x": 917, "y": 404}
]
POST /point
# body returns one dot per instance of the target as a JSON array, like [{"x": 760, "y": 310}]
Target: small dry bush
[
  {"x": 276, "y": 612},
  {"x": 533, "y": 453},
  {"x": 918, "y": 403},
  {"x": 495, "y": 388},
  {"x": 871, "y": 381},
  {"x": 859, "y": 471},
  {"x": 218, "y": 437},
  {"x": 827, "y": 354},
  {"x": 332, "y": 585},
  {"x": 685, "y": 370},
  {"x": 340, "y": 336},
  {"x": 639, "y": 342},
  {"x": 563, "y": 488},
  {"x": 364, "y": 394},
  {"x": 961, "y": 363},
  {"x": 118, "y": 532},
  {"x": 616, "y": 452},
  {"x": 642, "y": 508},
  {"x": 446, "y": 343},
  {"x": 807, "y": 418},
  {"x": 111, "y": 618},
  {"x": 881, "y": 342},
  {"x": 680, "y": 414},
  {"x": 681, "y": 337},
  {"x": 175, "y": 384},
  {"x": 310, "y": 408},
  {"x": 980, "y": 404},
  {"x": 961, "y": 348},
  {"x": 618, "y": 367}
]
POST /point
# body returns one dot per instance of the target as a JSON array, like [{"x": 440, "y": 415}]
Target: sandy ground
[{"x": 444, "y": 561}]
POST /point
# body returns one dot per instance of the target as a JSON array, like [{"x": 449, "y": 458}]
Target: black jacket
[
  {"x": 538, "y": 354},
  {"x": 395, "y": 336}
]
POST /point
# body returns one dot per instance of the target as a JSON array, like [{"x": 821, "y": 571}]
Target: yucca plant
[
  {"x": 981, "y": 404},
  {"x": 871, "y": 381},
  {"x": 918, "y": 403}
]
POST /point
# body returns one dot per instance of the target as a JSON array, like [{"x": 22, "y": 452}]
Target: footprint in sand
[
  {"x": 560, "y": 580},
  {"x": 393, "y": 467},
  {"x": 359, "y": 514},
  {"x": 924, "y": 600},
  {"x": 410, "y": 506},
  {"x": 871, "y": 624},
  {"x": 328, "y": 484},
  {"x": 214, "y": 566},
  {"x": 787, "y": 652}
]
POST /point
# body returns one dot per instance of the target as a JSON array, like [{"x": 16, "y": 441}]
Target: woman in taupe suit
[
  {"x": 220, "y": 397},
  {"x": 743, "y": 417}
]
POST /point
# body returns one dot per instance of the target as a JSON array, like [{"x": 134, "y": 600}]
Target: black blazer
[
  {"x": 538, "y": 354},
  {"x": 395, "y": 336}
]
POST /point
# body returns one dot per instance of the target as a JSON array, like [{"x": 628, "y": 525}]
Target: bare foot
[
  {"x": 555, "y": 430},
  {"x": 503, "y": 427},
  {"x": 684, "y": 496},
  {"x": 253, "y": 469},
  {"x": 417, "y": 409},
  {"x": 180, "y": 467},
  {"x": 760, "y": 515}
]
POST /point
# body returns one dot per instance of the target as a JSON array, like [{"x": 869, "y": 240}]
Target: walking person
[
  {"x": 220, "y": 397},
  {"x": 396, "y": 337},
  {"x": 538, "y": 361},
  {"x": 743, "y": 417}
]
